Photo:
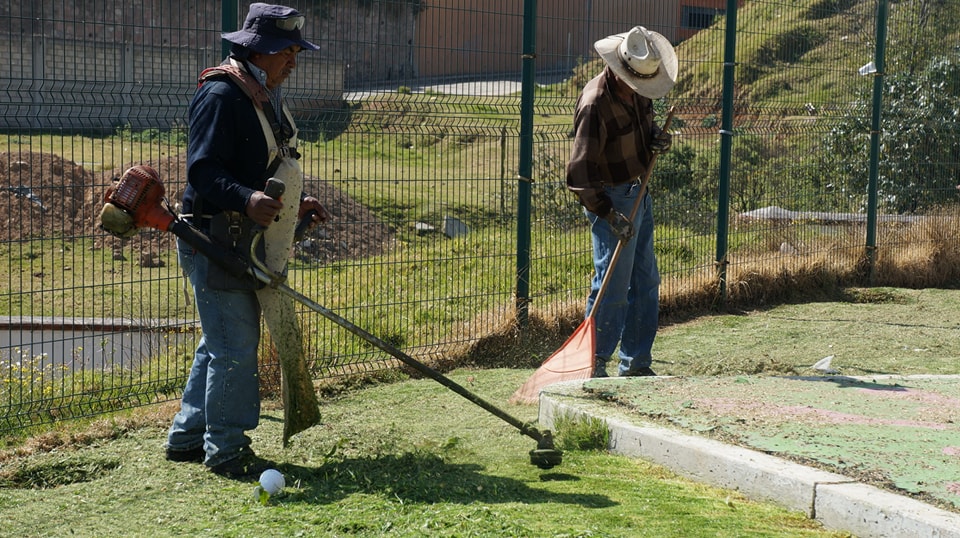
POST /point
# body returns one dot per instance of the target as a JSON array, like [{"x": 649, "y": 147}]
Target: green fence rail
[{"x": 811, "y": 136}]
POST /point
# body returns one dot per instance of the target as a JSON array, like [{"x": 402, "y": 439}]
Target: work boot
[
  {"x": 192, "y": 455},
  {"x": 245, "y": 465},
  {"x": 600, "y": 367},
  {"x": 643, "y": 371}
]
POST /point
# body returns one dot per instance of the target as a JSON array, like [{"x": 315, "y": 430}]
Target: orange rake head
[{"x": 573, "y": 361}]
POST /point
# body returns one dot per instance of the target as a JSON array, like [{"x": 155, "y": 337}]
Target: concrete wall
[
  {"x": 109, "y": 63},
  {"x": 66, "y": 83}
]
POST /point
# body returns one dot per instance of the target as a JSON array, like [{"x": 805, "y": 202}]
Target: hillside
[{"x": 809, "y": 51}]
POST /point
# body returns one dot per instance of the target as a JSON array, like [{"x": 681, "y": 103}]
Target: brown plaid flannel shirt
[{"x": 611, "y": 142}]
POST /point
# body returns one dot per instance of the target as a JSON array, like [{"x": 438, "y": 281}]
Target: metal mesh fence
[{"x": 437, "y": 135}]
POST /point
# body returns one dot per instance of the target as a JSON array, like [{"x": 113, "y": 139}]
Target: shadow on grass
[
  {"x": 419, "y": 478},
  {"x": 846, "y": 382}
]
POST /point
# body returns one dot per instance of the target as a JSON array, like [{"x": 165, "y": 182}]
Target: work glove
[
  {"x": 604, "y": 206},
  {"x": 661, "y": 142},
  {"x": 620, "y": 224}
]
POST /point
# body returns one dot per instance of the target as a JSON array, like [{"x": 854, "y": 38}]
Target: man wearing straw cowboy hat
[{"x": 615, "y": 141}]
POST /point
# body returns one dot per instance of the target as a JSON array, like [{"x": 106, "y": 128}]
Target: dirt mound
[{"x": 45, "y": 196}]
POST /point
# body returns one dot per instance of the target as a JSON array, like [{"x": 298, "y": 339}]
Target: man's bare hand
[
  {"x": 320, "y": 213},
  {"x": 262, "y": 209}
]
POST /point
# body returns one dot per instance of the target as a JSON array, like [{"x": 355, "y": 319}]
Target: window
[{"x": 699, "y": 17}]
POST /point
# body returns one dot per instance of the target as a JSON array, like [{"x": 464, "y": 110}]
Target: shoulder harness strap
[{"x": 254, "y": 91}]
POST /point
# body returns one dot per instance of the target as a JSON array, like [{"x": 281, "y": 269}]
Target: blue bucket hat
[{"x": 268, "y": 29}]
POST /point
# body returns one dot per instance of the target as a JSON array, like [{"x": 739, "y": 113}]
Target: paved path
[
  {"x": 495, "y": 86},
  {"x": 899, "y": 432}
]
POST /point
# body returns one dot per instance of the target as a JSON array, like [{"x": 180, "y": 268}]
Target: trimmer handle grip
[
  {"x": 274, "y": 188},
  {"x": 304, "y": 223}
]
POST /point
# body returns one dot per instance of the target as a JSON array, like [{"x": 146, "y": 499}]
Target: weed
[{"x": 582, "y": 433}]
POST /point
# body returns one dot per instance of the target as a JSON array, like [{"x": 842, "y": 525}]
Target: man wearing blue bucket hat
[
  {"x": 269, "y": 29},
  {"x": 241, "y": 134}
]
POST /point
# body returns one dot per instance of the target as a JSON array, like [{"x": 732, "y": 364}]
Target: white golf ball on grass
[{"x": 271, "y": 482}]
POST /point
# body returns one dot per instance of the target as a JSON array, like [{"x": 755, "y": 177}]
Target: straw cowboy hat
[
  {"x": 644, "y": 60},
  {"x": 268, "y": 29}
]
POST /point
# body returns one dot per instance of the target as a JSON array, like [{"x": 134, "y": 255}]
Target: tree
[{"x": 920, "y": 149}]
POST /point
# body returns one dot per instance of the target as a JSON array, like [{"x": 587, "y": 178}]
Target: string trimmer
[{"x": 137, "y": 201}]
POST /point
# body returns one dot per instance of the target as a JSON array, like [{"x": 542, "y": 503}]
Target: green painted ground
[{"x": 901, "y": 433}]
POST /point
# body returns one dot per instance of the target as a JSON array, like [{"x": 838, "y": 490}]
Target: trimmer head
[
  {"x": 546, "y": 455},
  {"x": 546, "y": 458}
]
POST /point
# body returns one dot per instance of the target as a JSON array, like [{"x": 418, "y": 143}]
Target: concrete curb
[{"x": 836, "y": 501}]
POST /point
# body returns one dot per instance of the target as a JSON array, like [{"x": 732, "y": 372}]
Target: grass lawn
[
  {"x": 403, "y": 459},
  {"x": 411, "y": 458}
]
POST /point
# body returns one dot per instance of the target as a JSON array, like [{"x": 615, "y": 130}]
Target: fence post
[
  {"x": 38, "y": 74},
  {"x": 526, "y": 159},
  {"x": 503, "y": 170},
  {"x": 228, "y": 21},
  {"x": 128, "y": 75},
  {"x": 875, "y": 132},
  {"x": 726, "y": 145}
]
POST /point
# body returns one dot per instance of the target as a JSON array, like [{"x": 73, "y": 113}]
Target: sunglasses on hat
[{"x": 288, "y": 24}]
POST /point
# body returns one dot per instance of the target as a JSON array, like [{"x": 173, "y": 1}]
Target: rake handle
[{"x": 633, "y": 213}]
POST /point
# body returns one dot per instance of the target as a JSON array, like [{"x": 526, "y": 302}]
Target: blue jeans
[
  {"x": 222, "y": 397},
  {"x": 629, "y": 312}
]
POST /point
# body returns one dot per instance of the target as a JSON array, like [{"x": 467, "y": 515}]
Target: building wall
[
  {"x": 460, "y": 37},
  {"x": 684, "y": 32}
]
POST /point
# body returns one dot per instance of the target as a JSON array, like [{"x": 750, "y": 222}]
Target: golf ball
[{"x": 272, "y": 481}]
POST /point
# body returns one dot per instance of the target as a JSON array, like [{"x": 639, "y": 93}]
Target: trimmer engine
[{"x": 135, "y": 202}]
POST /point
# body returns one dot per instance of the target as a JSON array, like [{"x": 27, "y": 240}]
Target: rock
[
  {"x": 453, "y": 227},
  {"x": 423, "y": 228},
  {"x": 150, "y": 259},
  {"x": 787, "y": 248}
]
